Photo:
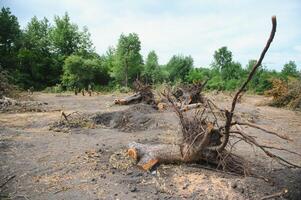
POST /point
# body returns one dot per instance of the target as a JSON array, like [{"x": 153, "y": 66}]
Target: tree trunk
[
  {"x": 126, "y": 74},
  {"x": 149, "y": 155},
  {"x": 128, "y": 100}
]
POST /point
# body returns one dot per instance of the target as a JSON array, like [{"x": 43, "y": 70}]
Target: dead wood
[
  {"x": 277, "y": 194},
  {"x": 143, "y": 93},
  {"x": 206, "y": 132},
  {"x": 191, "y": 93},
  {"x": 7, "y": 180}
]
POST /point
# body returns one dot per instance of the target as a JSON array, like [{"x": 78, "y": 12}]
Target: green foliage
[
  {"x": 222, "y": 58},
  {"x": 38, "y": 63},
  {"x": 290, "y": 70},
  {"x": 10, "y": 35},
  {"x": 67, "y": 39},
  {"x": 179, "y": 67},
  {"x": 60, "y": 56},
  {"x": 151, "y": 68},
  {"x": 80, "y": 73},
  {"x": 128, "y": 60},
  {"x": 198, "y": 74},
  {"x": 225, "y": 65}
]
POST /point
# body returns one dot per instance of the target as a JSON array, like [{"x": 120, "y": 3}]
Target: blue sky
[{"x": 187, "y": 27}]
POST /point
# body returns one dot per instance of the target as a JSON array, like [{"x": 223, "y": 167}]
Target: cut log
[
  {"x": 128, "y": 100},
  {"x": 149, "y": 155}
]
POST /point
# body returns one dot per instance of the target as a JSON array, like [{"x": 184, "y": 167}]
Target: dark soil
[{"x": 88, "y": 163}]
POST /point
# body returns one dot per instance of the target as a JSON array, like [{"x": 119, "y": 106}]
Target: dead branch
[
  {"x": 7, "y": 180},
  {"x": 261, "y": 128},
  {"x": 277, "y": 194}
]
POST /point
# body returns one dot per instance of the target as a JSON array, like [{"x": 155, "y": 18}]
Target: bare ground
[{"x": 37, "y": 163}]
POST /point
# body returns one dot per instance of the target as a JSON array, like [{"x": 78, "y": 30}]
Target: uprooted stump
[
  {"x": 190, "y": 93},
  {"x": 143, "y": 93},
  {"x": 206, "y": 134}
]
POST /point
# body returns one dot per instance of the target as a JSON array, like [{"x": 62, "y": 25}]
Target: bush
[
  {"x": 58, "y": 88},
  {"x": 286, "y": 94}
]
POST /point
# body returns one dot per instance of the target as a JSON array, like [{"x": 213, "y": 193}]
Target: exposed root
[
  {"x": 143, "y": 93},
  {"x": 206, "y": 133}
]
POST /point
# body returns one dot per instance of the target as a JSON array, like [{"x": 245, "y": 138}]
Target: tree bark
[
  {"x": 149, "y": 155},
  {"x": 128, "y": 100}
]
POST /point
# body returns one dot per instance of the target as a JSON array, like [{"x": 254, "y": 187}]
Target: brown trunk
[
  {"x": 149, "y": 155},
  {"x": 128, "y": 100},
  {"x": 126, "y": 74}
]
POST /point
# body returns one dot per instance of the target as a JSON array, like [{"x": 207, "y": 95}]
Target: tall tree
[
  {"x": 36, "y": 58},
  {"x": 222, "y": 58},
  {"x": 10, "y": 35},
  {"x": 128, "y": 60},
  {"x": 79, "y": 72},
  {"x": 151, "y": 67},
  {"x": 68, "y": 39},
  {"x": 223, "y": 62},
  {"x": 290, "y": 69},
  {"x": 179, "y": 67}
]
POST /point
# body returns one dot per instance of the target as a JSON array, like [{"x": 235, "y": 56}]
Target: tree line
[{"x": 61, "y": 54}]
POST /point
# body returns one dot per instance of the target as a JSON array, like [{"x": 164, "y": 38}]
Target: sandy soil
[{"x": 37, "y": 163}]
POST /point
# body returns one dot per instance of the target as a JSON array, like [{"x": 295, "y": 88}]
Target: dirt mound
[
  {"x": 12, "y": 105},
  {"x": 135, "y": 118}
]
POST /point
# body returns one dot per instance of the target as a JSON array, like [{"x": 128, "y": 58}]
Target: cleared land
[{"x": 89, "y": 162}]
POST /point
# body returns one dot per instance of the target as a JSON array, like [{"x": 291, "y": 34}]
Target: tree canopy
[{"x": 50, "y": 53}]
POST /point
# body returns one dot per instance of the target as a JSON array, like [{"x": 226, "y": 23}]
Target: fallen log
[
  {"x": 143, "y": 93},
  {"x": 149, "y": 155},
  {"x": 128, "y": 100}
]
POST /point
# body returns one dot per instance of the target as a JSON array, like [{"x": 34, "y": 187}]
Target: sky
[{"x": 182, "y": 27}]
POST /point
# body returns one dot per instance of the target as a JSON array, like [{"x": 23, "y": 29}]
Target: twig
[
  {"x": 263, "y": 129},
  {"x": 277, "y": 194},
  {"x": 268, "y": 153},
  {"x": 10, "y": 178}
]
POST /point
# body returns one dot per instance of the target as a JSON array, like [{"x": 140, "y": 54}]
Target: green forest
[{"x": 59, "y": 55}]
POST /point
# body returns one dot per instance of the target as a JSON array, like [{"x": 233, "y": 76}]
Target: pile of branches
[
  {"x": 143, "y": 93},
  {"x": 206, "y": 135},
  {"x": 71, "y": 121},
  {"x": 285, "y": 94},
  {"x": 13, "y": 105}
]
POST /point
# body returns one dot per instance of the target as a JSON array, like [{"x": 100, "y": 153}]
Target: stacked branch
[
  {"x": 206, "y": 135},
  {"x": 143, "y": 93},
  {"x": 70, "y": 121}
]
